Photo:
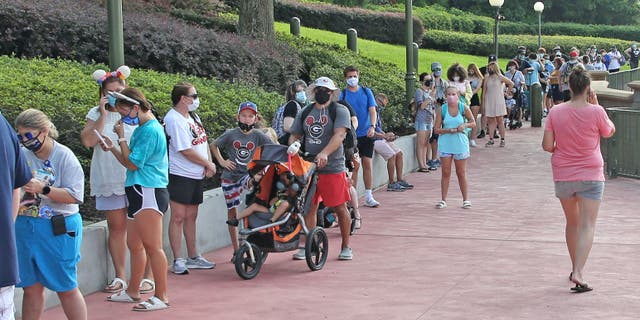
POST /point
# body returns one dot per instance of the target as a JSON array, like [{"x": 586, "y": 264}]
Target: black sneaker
[{"x": 481, "y": 135}]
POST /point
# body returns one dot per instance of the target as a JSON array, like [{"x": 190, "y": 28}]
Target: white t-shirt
[
  {"x": 185, "y": 133},
  {"x": 107, "y": 174}
]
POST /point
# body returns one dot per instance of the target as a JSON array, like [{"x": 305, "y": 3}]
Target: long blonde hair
[{"x": 36, "y": 119}]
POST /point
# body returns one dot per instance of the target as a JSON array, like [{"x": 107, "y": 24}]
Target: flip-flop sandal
[
  {"x": 580, "y": 288},
  {"x": 441, "y": 204},
  {"x": 153, "y": 304},
  {"x": 116, "y": 285},
  {"x": 122, "y": 296},
  {"x": 423, "y": 170},
  {"x": 147, "y": 286}
]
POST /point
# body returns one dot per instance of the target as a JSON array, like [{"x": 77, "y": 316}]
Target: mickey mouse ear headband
[
  {"x": 100, "y": 75},
  {"x": 120, "y": 96}
]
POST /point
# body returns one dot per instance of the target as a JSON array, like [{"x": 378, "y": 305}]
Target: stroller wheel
[
  {"x": 246, "y": 266},
  {"x": 317, "y": 247}
]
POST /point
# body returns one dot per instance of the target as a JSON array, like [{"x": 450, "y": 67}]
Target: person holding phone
[{"x": 49, "y": 226}]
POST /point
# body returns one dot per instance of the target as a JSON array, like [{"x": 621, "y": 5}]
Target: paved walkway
[{"x": 503, "y": 259}]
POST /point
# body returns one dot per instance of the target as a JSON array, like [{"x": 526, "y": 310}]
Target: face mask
[
  {"x": 437, "y": 73},
  {"x": 322, "y": 96},
  {"x": 194, "y": 105},
  {"x": 33, "y": 144},
  {"x": 452, "y": 100},
  {"x": 112, "y": 100},
  {"x": 456, "y": 78},
  {"x": 129, "y": 120},
  {"x": 428, "y": 83},
  {"x": 352, "y": 82},
  {"x": 245, "y": 127},
  {"x": 491, "y": 71},
  {"x": 511, "y": 68},
  {"x": 301, "y": 96}
]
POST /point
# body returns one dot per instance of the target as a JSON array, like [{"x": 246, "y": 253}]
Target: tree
[{"x": 256, "y": 18}]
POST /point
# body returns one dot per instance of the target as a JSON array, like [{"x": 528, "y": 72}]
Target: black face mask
[
  {"x": 428, "y": 83},
  {"x": 322, "y": 96},
  {"x": 33, "y": 144},
  {"x": 245, "y": 127}
]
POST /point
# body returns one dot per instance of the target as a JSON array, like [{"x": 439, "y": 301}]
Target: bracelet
[{"x": 122, "y": 139}]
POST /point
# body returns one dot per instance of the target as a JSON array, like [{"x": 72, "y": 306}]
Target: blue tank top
[{"x": 453, "y": 143}]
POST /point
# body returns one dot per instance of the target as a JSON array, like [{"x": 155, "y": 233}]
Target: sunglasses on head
[{"x": 27, "y": 136}]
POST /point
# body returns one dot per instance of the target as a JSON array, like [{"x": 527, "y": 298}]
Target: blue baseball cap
[{"x": 248, "y": 105}]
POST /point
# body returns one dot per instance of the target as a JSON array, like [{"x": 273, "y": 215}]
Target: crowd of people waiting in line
[{"x": 141, "y": 167}]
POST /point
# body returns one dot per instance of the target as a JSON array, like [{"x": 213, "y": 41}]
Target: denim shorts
[
  {"x": 456, "y": 156},
  {"x": 423, "y": 126},
  {"x": 585, "y": 189},
  {"x": 46, "y": 258}
]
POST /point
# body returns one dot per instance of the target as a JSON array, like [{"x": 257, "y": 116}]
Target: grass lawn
[{"x": 388, "y": 52}]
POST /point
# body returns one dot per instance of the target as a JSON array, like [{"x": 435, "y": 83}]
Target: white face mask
[
  {"x": 194, "y": 105},
  {"x": 511, "y": 68},
  {"x": 456, "y": 78},
  {"x": 352, "y": 82}
]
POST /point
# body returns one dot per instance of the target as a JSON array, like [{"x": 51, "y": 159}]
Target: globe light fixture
[
  {"x": 496, "y": 4},
  {"x": 539, "y": 7}
]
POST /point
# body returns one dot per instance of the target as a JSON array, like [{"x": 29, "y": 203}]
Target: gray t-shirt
[
  {"x": 317, "y": 129},
  {"x": 239, "y": 147},
  {"x": 424, "y": 115},
  {"x": 61, "y": 170}
]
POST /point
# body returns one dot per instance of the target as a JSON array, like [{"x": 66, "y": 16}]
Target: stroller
[{"x": 260, "y": 235}]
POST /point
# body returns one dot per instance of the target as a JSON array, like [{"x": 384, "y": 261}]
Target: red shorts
[{"x": 332, "y": 189}]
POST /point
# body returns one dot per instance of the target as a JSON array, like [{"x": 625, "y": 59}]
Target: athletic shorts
[
  {"x": 456, "y": 156},
  {"x": 584, "y": 189},
  {"x": 475, "y": 100},
  {"x": 423, "y": 126},
  {"x": 185, "y": 190},
  {"x": 332, "y": 189},
  {"x": 45, "y": 258},
  {"x": 6, "y": 303},
  {"x": 233, "y": 191},
  {"x": 385, "y": 149},
  {"x": 112, "y": 202},
  {"x": 141, "y": 198},
  {"x": 365, "y": 147}
]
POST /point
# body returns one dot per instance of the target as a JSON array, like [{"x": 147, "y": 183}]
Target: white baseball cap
[{"x": 325, "y": 82}]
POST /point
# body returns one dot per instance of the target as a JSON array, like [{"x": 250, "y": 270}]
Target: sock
[{"x": 367, "y": 194}]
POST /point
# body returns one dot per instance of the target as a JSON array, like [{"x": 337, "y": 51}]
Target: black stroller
[{"x": 261, "y": 236}]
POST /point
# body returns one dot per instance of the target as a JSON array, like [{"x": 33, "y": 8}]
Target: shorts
[
  {"x": 386, "y": 149},
  {"x": 566, "y": 95},
  {"x": 112, "y": 202},
  {"x": 141, "y": 198},
  {"x": 434, "y": 137},
  {"x": 423, "y": 126},
  {"x": 584, "y": 189},
  {"x": 47, "y": 259},
  {"x": 332, "y": 189},
  {"x": 233, "y": 191},
  {"x": 556, "y": 94},
  {"x": 456, "y": 156},
  {"x": 185, "y": 190},
  {"x": 365, "y": 147},
  {"x": 6, "y": 303},
  {"x": 475, "y": 100}
]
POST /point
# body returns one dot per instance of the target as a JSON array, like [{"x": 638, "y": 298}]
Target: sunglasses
[
  {"x": 194, "y": 96},
  {"x": 436, "y": 69},
  {"x": 27, "y": 136}
]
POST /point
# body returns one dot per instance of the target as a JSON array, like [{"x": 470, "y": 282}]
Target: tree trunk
[{"x": 256, "y": 19}]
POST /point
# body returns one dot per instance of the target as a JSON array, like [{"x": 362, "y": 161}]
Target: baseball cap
[
  {"x": 325, "y": 82},
  {"x": 573, "y": 54},
  {"x": 435, "y": 66},
  {"x": 492, "y": 58},
  {"x": 248, "y": 105}
]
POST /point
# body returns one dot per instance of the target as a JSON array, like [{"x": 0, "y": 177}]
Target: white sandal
[
  {"x": 116, "y": 285},
  {"x": 466, "y": 204},
  {"x": 147, "y": 290},
  {"x": 153, "y": 304},
  {"x": 441, "y": 204},
  {"x": 122, "y": 296}
]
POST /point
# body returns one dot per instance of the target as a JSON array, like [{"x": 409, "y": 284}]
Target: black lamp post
[{"x": 497, "y": 4}]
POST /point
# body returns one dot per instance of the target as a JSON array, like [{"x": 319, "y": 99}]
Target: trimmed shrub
[
  {"x": 482, "y": 44},
  {"x": 76, "y": 30},
  {"x": 387, "y": 27}
]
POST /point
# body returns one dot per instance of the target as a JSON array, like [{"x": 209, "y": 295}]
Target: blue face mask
[
  {"x": 301, "y": 96},
  {"x": 129, "y": 120},
  {"x": 112, "y": 100}
]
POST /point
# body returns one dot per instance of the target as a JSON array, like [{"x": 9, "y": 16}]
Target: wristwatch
[{"x": 46, "y": 190}]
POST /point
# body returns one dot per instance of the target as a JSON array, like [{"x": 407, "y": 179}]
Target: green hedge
[
  {"x": 482, "y": 44},
  {"x": 387, "y": 27}
]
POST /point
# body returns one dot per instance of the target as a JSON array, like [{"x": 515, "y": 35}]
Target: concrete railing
[{"x": 95, "y": 267}]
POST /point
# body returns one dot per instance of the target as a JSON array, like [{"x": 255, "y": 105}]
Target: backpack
[
  {"x": 350, "y": 141},
  {"x": 278, "y": 118}
]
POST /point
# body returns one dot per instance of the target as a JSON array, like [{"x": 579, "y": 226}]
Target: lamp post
[
  {"x": 410, "y": 77},
  {"x": 497, "y": 4},
  {"x": 539, "y": 7}
]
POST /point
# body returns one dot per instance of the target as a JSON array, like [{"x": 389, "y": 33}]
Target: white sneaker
[
  {"x": 473, "y": 143},
  {"x": 346, "y": 254},
  {"x": 300, "y": 255},
  {"x": 371, "y": 202}
]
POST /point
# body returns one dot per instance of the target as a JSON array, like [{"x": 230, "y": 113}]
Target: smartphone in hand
[{"x": 104, "y": 143}]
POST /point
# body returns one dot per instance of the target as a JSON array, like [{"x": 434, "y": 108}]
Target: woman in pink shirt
[{"x": 572, "y": 134}]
